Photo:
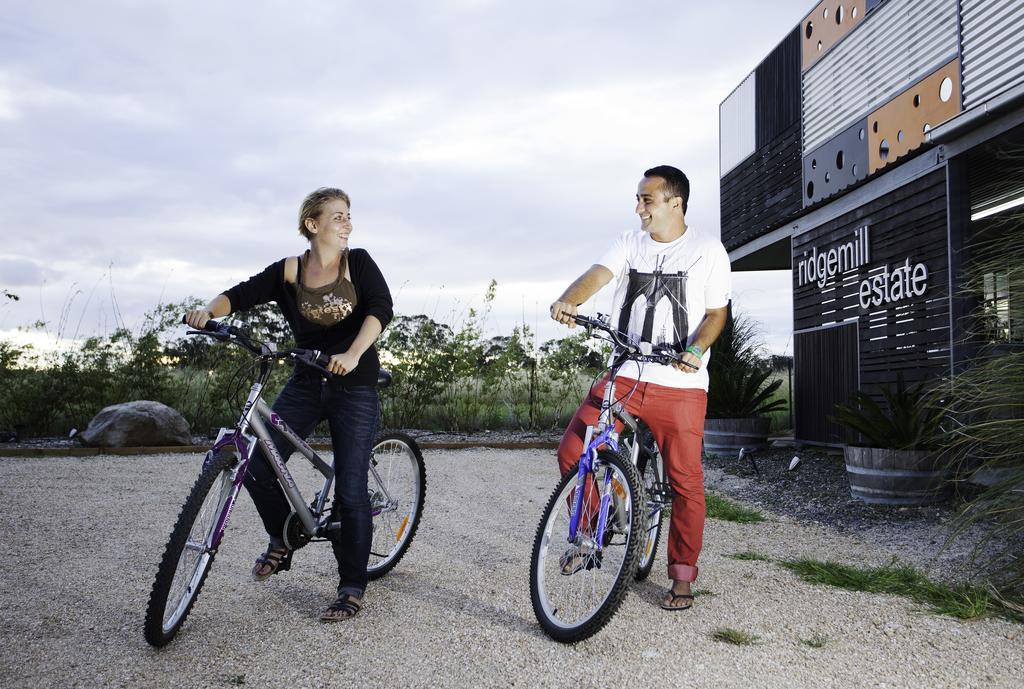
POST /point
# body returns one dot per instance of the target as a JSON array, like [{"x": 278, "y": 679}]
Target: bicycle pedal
[{"x": 661, "y": 492}]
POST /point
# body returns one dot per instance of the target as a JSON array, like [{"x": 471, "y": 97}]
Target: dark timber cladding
[
  {"x": 825, "y": 375},
  {"x": 777, "y": 90},
  {"x": 907, "y": 335},
  {"x": 763, "y": 191}
]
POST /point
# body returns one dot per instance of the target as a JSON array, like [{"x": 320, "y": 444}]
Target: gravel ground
[
  {"x": 817, "y": 491},
  {"x": 83, "y": 535}
]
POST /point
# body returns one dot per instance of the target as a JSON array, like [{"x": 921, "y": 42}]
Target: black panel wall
[
  {"x": 908, "y": 337},
  {"x": 777, "y": 90},
  {"x": 825, "y": 374},
  {"x": 764, "y": 191}
]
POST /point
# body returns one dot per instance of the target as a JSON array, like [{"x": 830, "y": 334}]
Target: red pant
[{"x": 676, "y": 419}]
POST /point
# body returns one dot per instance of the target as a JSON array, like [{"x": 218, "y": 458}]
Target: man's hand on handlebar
[
  {"x": 690, "y": 363},
  {"x": 563, "y": 312}
]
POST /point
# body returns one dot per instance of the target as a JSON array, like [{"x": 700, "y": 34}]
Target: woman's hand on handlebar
[
  {"x": 343, "y": 364},
  {"x": 198, "y": 318},
  {"x": 563, "y": 312}
]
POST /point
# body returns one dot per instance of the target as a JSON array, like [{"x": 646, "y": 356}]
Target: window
[{"x": 1001, "y": 325}]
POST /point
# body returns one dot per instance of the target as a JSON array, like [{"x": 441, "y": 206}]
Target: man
[{"x": 673, "y": 286}]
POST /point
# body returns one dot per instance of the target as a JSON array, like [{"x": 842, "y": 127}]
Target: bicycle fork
[{"x": 587, "y": 468}]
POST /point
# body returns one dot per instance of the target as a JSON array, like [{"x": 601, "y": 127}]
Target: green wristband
[{"x": 695, "y": 350}]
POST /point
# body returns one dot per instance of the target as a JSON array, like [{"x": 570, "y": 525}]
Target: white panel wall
[
  {"x": 895, "y": 46},
  {"x": 737, "y": 132},
  {"x": 993, "y": 47}
]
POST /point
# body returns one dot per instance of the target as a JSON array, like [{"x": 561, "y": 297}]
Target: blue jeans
[{"x": 353, "y": 415}]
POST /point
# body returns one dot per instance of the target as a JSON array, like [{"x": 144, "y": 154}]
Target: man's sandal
[
  {"x": 574, "y": 560},
  {"x": 345, "y": 607},
  {"x": 276, "y": 559},
  {"x": 672, "y": 602}
]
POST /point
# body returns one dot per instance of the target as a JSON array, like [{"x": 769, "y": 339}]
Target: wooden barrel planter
[
  {"x": 896, "y": 477},
  {"x": 726, "y": 436}
]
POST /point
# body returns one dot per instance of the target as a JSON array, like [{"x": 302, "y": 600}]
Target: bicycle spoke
[
  {"x": 395, "y": 485},
  {"x": 196, "y": 553},
  {"x": 576, "y": 580}
]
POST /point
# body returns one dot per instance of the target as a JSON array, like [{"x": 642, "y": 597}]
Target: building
[{"x": 862, "y": 154}]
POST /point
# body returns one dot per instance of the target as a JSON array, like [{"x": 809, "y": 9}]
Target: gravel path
[{"x": 76, "y": 568}]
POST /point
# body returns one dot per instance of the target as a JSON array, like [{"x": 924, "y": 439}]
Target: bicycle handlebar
[
  {"x": 664, "y": 354},
  {"x": 225, "y": 332}
]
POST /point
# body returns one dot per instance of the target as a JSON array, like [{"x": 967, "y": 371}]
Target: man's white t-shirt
[{"x": 661, "y": 294}]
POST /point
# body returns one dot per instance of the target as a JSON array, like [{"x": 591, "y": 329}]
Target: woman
[{"x": 336, "y": 301}]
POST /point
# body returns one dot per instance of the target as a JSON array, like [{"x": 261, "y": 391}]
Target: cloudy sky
[{"x": 157, "y": 150}]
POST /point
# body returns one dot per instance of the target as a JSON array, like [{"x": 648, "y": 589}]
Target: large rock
[{"x": 139, "y": 423}]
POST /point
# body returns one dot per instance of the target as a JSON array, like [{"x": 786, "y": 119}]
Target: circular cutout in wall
[
  {"x": 946, "y": 89},
  {"x": 840, "y": 159},
  {"x": 917, "y": 100},
  {"x": 839, "y": 15},
  {"x": 810, "y": 190},
  {"x": 809, "y": 30},
  {"x": 883, "y": 149},
  {"x": 861, "y": 134},
  {"x": 899, "y": 136},
  {"x": 854, "y": 170}
]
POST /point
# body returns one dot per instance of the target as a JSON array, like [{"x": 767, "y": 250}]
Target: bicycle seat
[{"x": 383, "y": 379}]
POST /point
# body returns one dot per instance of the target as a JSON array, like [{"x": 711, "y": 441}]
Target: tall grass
[{"x": 984, "y": 404}]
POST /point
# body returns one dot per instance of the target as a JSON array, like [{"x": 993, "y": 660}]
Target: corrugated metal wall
[
  {"x": 896, "y": 45},
  {"x": 737, "y": 130},
  {"x": 993, "y": 47}
]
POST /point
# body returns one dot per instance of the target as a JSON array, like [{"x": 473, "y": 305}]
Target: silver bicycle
[{"x": 396, "y": 484}]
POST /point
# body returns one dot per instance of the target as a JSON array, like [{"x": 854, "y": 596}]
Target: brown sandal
[
  {"x": 345, "y": 607},
  {"x": 276, "y": 559},
  {"x": 670, "y": 600}
]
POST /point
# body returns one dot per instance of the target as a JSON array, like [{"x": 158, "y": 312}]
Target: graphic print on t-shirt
[{"x": 654, "y": 288}]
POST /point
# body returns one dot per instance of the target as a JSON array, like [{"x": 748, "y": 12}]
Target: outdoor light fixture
[{"x": 1005, "y": 206}]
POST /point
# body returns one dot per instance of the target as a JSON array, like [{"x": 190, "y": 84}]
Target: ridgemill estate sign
[{"x": 879, "y": 287}]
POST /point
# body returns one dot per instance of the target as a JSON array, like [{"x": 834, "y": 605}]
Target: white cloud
[{"x": 21, "y": 97}]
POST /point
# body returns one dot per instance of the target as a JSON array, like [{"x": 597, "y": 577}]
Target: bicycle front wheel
[
  {"x": 190, "y": 553},
  {"x": 576, "y": 586},
  {"x": 397, "y": 483}
]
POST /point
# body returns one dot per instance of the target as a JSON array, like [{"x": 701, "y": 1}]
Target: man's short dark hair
[{"x": 675, "y": 180}]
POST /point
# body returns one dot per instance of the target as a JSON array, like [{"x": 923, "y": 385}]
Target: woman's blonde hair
[{"x": 314, "y": 204}]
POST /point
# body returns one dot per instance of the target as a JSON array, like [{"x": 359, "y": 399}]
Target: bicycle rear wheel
[
  {"x": 649, "y": 468},
  {"x": 397, "y": 483},
  {"x": 577, "y": 587},
  {"x": 189, "y": 553}
]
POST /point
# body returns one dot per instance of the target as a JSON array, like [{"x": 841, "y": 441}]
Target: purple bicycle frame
[
  {"x": 241, "y": 444},
  {"x": 605, "y": 437}
]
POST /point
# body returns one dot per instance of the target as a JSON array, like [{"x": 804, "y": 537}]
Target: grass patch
[
  {"x": 727, "y": 510},
  {"x": 704, "y": 592},
  {"x": 750, "y": 555},
  {"x": 961, "y": 601},
  {"x": 816, "y": 641},
  {"x": 735, "y": 637}
]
